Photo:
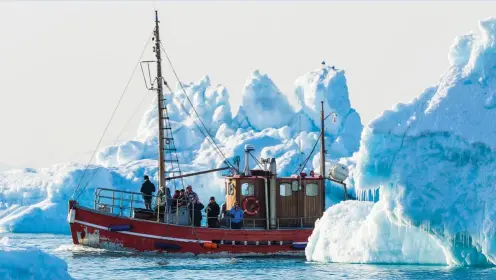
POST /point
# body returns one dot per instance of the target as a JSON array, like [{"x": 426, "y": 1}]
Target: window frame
[
  {"x": 311, "y": 192},
  {"x": 250, "y": 186},
  {"x": 285, "y": 187}
]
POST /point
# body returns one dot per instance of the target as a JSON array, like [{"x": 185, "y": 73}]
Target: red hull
[{"x": 91, "y": 228}]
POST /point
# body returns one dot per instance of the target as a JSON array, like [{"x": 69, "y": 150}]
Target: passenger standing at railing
[
  {"x": 182, "y": 200},
  {"x": 237, "y": 216},
  {"x": 192, "y": 196},
  {"x": 175, "y": 200},
  {"x": 194, "y": 206},
  {"x": 147, "y": 189},
  {"x": 162, "y": 196},
  {"x": 213, "y": 210}
]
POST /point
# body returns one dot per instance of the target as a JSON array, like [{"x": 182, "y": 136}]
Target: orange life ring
[{"x": 254, "y": 207}]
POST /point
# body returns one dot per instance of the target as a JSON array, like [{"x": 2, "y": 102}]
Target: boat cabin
[
  {"x": 298, "y": 201},
  {"x": 275, "y": 202}
]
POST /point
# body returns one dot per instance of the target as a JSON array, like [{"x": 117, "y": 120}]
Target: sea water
[{"x": 89, "y": 263}]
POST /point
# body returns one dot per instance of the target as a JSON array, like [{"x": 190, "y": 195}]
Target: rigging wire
[
  {"x": 108, "y": 124},
  {"x": 131, "y": 118},
  {"x": 194, "y": 110},
  {"x": 198, "y": 126},
  {"x": 300, "y": 169},
  {"x": 256, "y": 160},
  {"x": 117, "y": 138}
]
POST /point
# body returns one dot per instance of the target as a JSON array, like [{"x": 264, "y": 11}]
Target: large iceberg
[
  {"x": 360, "y": 232},
  {"x": 35, "y": 200},
  {"x": 29, "y": 263},
  {"x": 434, "y": 161}
]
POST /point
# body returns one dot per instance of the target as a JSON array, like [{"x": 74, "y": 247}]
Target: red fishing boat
[{"x": 279, "y": 212}]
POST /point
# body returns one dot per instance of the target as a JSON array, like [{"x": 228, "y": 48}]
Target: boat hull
[{"x": 104, "y": 230}]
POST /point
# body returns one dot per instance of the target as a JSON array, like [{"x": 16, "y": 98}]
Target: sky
[{"x": 64, "y": 65}]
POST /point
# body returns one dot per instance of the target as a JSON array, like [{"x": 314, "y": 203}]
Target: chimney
[{"x": 248, "y": 148}]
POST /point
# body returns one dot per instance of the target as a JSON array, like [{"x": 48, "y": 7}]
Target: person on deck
[
  {"x": 237, "y": 216},
  {"x": 223, "y": 215},
  {"x": 162, "y": 195},
  {"x": 213, "y": 211},
  {"x": 175, "y": 200},
  {"x": 147, "y": 189},
  {"x": 182, "y": 200},
  {"x": 194, "y": 206},
  {"x": 192, "y": 196}
]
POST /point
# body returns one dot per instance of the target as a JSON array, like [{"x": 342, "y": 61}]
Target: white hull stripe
[
  {"x": 155, "y": 236},
  {"x": 143, "y": 234}
]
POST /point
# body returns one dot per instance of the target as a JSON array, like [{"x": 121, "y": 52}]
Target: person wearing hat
[
  {"x": 147, "y": 189},
  {"x": 213, "y": 211}
]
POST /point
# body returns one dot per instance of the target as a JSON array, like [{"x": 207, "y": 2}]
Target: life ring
[{"x": 254, "y": 205}]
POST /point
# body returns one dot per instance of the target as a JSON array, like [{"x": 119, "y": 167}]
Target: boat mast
[
  {"x": 322, "y": 154},
  {"x": 160, "y": 100},
  {"x": 322, "y": 141}
]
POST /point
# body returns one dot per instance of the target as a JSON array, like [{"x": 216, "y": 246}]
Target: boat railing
[
  {"x": 122, "y": 203},
  {"x": 281, "y": 223},
  {"x": 179, "y": 212}
]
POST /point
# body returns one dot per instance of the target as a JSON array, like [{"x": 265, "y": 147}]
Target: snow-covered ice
[
  {"x": 35, "y": 200},
  {"x": 360, "y": 232},
  {"x": 434, "y": 161},
  {"x": 18, "y": 262}
]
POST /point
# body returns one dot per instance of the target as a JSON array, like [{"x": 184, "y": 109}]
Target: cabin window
[
  {"x": 285, "y": 189},
  {"x": 295, "y": 186},
  {"x": 312, "y": 189},
  {"x": 247, "y": 189}
]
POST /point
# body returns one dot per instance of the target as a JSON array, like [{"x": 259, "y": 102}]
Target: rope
[
  {"x": 309, "y": 156},
  {"x": 197, "y": 126},
  {"x": 108, "y": 124},
  {"x": 129, "y": 120},
  {"x": 194, "y": 110},
  {"x": 256, "y": 160}
]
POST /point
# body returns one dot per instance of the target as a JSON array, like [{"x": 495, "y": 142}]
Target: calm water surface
[{"x": 100, "y": 264}]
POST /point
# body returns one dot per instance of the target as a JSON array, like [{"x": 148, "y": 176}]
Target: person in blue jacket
[{"x": 237, "y": 216}]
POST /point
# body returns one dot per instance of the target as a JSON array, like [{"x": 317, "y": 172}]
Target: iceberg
[
  {"x": 263, "y": 104},
  {"x": 360, "y": 232},
  {"x": 433, "y": 161},
  {"x": 35, "y": 200},
  {"x": 29, "y": 263}
]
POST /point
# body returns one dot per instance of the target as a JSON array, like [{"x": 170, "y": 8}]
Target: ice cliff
[
  {"x": 35, "y": 200},
  {"x": 434, "y": 161}
]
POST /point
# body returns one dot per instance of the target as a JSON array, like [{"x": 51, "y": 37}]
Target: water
[{"x": 87, "y": 263}]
